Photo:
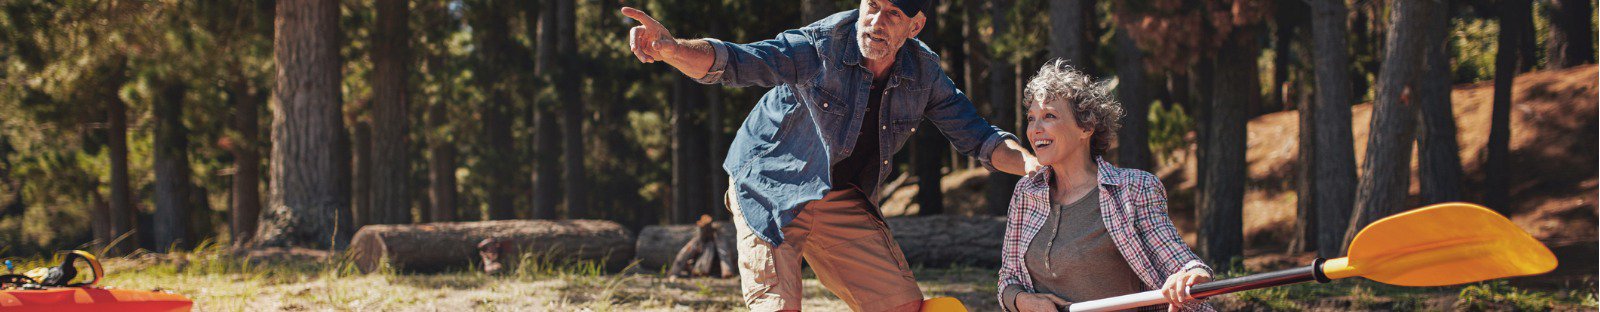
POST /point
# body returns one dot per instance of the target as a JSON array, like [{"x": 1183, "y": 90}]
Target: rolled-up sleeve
[
  {"x": 791, "y": 57},
  {"x": 954, "y": 114}
]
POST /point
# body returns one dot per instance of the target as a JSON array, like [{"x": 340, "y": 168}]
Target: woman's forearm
[{"x": 1008, "y": 297}]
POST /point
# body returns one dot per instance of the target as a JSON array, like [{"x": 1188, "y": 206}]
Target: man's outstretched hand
[{"x": 649, "y": 41}]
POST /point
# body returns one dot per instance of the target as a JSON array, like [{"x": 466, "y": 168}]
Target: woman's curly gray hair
[{"x": 1091, "y": 101}]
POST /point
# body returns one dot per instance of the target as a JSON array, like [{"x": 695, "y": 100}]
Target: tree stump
[
  {"x": 434, "y": 247},
  {"x": 659, "y": 245}
]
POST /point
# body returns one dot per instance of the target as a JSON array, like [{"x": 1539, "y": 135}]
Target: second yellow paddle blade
[{"x": 1446, "y": 244}]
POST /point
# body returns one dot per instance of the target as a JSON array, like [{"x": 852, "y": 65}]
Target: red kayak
[
  {"x": 53, "y": 291},
  {"x": 74, "y": 299}
]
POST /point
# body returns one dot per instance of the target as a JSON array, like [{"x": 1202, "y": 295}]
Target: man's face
[{"x": 883, "y": 28}]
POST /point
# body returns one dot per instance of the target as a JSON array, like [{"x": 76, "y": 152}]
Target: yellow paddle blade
[
  {"x": 943, "y": 304},
  {"x": 1444, "y": 244}
]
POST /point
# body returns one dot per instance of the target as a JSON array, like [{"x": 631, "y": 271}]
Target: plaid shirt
[{"x": 1134, "y": 210}]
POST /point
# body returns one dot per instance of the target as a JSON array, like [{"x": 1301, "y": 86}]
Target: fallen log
[
  {"x": 933, "y": 241},
  {"x": 946, "y": 240},
  {"x": 434, "y": 247}
]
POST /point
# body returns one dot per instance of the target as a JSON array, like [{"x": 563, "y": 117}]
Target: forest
[{"x": 157, "y": 126}]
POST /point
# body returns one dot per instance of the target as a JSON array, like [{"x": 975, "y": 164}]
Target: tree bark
[
  {"x": 1289, "y": 15},
  {"x": 1305, "y": 175},
  {"x": 689, "y": 157},
  {"x": 1571, "y": 40},
  {"x": 569, "y": 90},
  {"x": 1067, "y": 35},
  {"x": 1386, "y": 179},
  {"x": 1002, "y": 96},
  {"x": 928, "y": 159},
  {"x": 360, "y": 164},
  {"x": 547, "y": 172},
  {"x": 1133, "y": 90},
  {"x": 436, "y": 247},
  {"x": 1236, "y": 89},
  {"x": 1333, "y": 162},
  {"x": 442, "y": 151},
  {"x": 391, "y": 71},
  {"x": 498, "y": 155},
  {"x": 1439, "y": 158},
  {"x": 120, "y": 217},
  {"x": 1497, "y": 169},
  {"x": 171, "y": 167},
  {"x": 946, "y": 240},
  {"x": 246, "y": 159},
  {"x": 306, "y": 191}
]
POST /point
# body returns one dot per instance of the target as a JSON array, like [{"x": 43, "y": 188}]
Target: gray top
[{"x": 1074, "y": 258}]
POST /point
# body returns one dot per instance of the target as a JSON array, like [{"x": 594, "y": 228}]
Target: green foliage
[
  {"x": 1473, "y": 43},
  {"x": 1169, "y": 132}
]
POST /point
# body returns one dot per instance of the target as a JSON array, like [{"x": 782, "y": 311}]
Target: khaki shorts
[{"x": 848, "y": 247}]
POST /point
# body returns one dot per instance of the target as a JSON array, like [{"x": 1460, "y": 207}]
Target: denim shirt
[{"x": 782, "y": 155}]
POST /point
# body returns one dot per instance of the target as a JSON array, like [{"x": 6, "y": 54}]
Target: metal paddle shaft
[
  {"x": 1444, "y": 244},
  {"x": 1203, "y": 290}
]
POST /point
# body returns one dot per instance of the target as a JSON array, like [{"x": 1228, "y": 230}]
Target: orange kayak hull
[{"x": 75, "y": 299}]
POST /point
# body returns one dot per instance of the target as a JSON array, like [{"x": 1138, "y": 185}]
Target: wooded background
[{"x": 164, "y": 124}]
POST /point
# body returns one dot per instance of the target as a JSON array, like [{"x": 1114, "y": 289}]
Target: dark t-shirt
[{"x": 860, "y": 169}]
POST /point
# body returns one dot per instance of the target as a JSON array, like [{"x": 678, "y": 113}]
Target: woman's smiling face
[{"x": 1053, "y": 132}]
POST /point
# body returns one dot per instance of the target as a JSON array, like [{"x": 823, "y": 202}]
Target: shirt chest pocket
[{"x": 830, "y": 113}]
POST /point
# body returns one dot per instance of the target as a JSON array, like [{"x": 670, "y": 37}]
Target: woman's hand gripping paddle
[{"x": 1444, "y": 244}]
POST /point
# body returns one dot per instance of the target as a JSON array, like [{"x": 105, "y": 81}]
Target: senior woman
[{"x": 1080, "y": 229}]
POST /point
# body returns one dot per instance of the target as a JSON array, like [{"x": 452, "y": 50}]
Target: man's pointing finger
[{"x": 643, "y": 18}]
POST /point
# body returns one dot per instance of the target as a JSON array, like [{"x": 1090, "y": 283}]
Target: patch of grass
[{"x": 1500, "y": 295}]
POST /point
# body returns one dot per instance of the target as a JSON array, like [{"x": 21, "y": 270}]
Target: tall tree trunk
[
  {"x": 246, "y": 159},
  {"x": 172, "y": 170},
  {"x": 1290, "y": 15},
  {"x": 569, "y": 91},
  {"x": 1497, "y": 166},
  {"x": 306, "y": 191},
  {"x": 1067, "y": 32},
  {"x": 928, "y": 148},
  {"x": 441, "y": 148},
  {"x": 718, "y": 149},
  {"x": 1201, "y": 89},
  {"x": 547, "y": 172},
  {"x": 1305, "y": 181},
  {"x": 813, "y": 10},
  {"x": 1236, "y": 89},
  {"x": 1133, "y": 90},
  {"x": 688, "y": 153},
  {"x": 1571, "y": 40},
  {"x": 1386, "y": 170},
  {"x": 1333, "y": 160},
  {"x": 1003, "y": 96},
  {"x": 391, "y": 70},
  {"x": 360, "y": 163},
  {"x": 120, "y": 209},
  {"x": 498, "y": 155},
  {"x": 1439, "y": 160}
]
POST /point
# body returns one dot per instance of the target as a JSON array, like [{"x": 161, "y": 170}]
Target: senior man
[{"x": 806, "y": 165}]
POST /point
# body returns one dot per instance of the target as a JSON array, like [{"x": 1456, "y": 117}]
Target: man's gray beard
[{"x": 872, "y": 53}]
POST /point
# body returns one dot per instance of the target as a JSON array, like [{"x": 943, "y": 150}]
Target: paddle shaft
[{"x": 1303, "y": 274}]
